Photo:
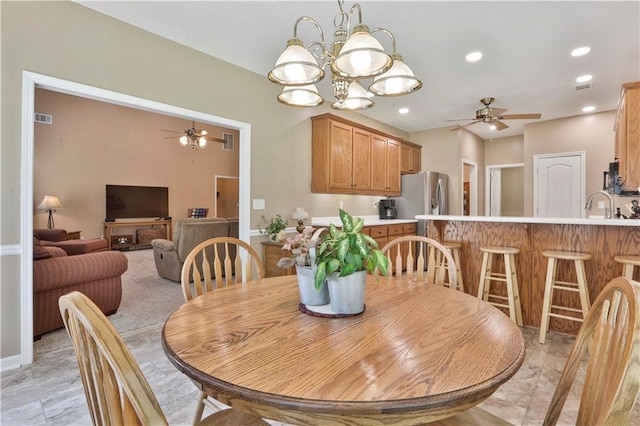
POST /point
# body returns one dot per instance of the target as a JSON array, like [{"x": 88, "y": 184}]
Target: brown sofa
[
  {"x": 98, "y": 275},
  {"x": 59, "y": 238},
  {"x": 188, "y": 233}
]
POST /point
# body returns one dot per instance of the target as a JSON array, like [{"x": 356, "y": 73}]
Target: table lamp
[
  {"x": 300, "y": 215},
  {"x": 49, "y": 204}
]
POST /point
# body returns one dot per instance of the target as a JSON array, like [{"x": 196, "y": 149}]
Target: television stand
[{"x": 109, "y": 227}]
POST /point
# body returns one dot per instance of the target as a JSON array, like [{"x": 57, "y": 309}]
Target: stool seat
[
  {"x": 552, "y": 283},
  {"x": 452, "y": 245},
  {"x": 499, "y": 250},
  {"x": 509, "y": 277},
  {"x": 628, "y": 264},
  {"x": 566, "y": 255}
]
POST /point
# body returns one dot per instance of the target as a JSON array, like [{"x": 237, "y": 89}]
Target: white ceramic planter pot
[
  {"x": 308, "y": 293},
  {"x": 347, "y": 293}
]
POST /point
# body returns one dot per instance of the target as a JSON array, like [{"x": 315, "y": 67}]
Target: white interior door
[
  {"x": 495, "y": 192},
  {"x": 559, "y": 182}
]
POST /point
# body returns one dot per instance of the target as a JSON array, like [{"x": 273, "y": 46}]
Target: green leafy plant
[
  {"x": 347, "y": 250},
  {"x": 299, "y": 246},
  {"x": 272, "y": 225}
]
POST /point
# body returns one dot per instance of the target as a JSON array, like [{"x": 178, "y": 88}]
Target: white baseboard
[{"x": 10, "y": 362}]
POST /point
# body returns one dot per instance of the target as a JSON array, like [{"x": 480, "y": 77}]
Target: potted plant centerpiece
[
  {"x": 303, "y": 247},
  {"x": 343, "y": 258},
  {"x": 275, "y": 227}
]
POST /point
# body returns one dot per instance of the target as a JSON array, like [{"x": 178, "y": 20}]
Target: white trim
[
  {"x": 487, "y": 186},
  {"x": 11, "y": 250},
  {"x": 583, "y": 177},
  {"x": 10, "y": 362},
  {"x": 29, "y": 82}
]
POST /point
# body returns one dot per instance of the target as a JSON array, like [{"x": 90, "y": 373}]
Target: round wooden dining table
[{"x": 418, "y": 352}]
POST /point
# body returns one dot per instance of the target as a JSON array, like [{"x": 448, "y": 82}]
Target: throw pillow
[{"x": 39, "y": 252}]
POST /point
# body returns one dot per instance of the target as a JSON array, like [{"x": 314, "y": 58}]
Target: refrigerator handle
[{"x": 440, "y": 197}]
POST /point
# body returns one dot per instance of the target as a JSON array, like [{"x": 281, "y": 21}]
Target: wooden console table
[{"x": 108, "y": 227}]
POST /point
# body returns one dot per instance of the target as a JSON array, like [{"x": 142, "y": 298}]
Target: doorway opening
[
  {"x": 226, "y": 196},
  {"x": 30, "y": 82},
  {"x": 469, "y": 188},
  {"x": 504, "y": 194}
]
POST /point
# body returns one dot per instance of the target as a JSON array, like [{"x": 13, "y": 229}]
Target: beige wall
[
  {"x": 91, "y": 144},
  {"x": 512, "y": 191},
  {"x": 592, "y": 133},
  {"x": 68, "y": 41},
  {"x": 508, "y": 150}
]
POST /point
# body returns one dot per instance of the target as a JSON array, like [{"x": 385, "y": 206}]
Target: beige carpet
[{"x": 147, "y": 299}]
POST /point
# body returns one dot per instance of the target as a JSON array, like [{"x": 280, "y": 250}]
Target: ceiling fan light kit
[
  {"x": 350, "y": 59},
  {"x": 194, "y": 138}
]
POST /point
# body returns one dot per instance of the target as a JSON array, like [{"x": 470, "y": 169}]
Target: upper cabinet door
[
  {"x": 341, "y": 156},
  {"x": 361, "y": 164},
  {"x": 379, "y": 163},
  {"x": 393, "y": 167}
]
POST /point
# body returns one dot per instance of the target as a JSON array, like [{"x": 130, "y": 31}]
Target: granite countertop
[
  {"x": 542, "y": 220},
  {"x": 368, "y": 221}
]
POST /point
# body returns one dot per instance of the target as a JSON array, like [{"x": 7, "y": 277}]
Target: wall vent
[
  {"x": 229, "y": 144},
  {"x": 43, "y": 118},
  {"x": 583, "y": 86}
]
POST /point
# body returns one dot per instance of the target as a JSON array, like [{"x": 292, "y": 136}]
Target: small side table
[
  {"x": 73, "y": 235},
  {"x": 271, "y": 253}
]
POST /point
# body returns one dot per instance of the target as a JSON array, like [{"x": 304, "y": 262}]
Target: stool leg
[
  {"x": 548, "y": 295},
  {"x": 456, "y": 258},
  {"x": 627, "y": 271},
  {"x": 509, "y": 273},
  {"x": 516, "y": 290},
  {"x": 483, "y": 287},
  {"x": 582, "y": 286}
]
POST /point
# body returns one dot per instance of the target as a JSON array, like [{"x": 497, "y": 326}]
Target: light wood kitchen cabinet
[
  {"x": 351, "y": 159},
  {"x": 385, "y": 165},
  {"x": 627, "y": 141},
  {"x": 411, "y": 158}
]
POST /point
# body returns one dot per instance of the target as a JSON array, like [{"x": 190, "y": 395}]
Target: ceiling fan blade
[
  {"x": 499, "y": 125},
  {"x": 520, "y": 116},
  {"x": 461, "y": 119},
  {"x": 212, "y": 139},
  {"x": 497, "y": 111},
  {"x": 464, "y": 125},
  {"x": 172, "y": 131}
]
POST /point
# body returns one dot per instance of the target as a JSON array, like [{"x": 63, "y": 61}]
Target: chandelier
[{"x": 351, "y": 59}]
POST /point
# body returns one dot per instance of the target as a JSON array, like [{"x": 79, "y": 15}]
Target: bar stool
[
  {"x": 454, "y": 248},
  {"x": 509, "y": 277},
  {"x": 628, "y": 264},
  {"x": 552, "y": 283}
]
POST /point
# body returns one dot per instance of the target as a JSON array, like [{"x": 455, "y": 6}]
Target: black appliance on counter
[{"x": 387, "y": 209}]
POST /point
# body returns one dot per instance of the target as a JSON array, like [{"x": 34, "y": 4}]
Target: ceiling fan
[
  {"x": 193, "y": 137},
  {"x": 493, "y": 116}
]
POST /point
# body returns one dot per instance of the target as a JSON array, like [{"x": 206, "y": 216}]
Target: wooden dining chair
[
  {"x": 231, "y": 261},
  {"x": 610, "y": 336},
  {"x": 116, "y": 390},
  {"x": 223, "y": 254},
  {"x": 415, "y": 257}
]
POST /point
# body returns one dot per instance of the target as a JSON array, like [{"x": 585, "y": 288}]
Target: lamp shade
[
  {"x": 398, "y": 80},
  {"x": 358, "y": 98},
  {"x": 362, "y": 56},
  {"x": 300, "y": 214},
  {"x": 300, "y": 96},
  {"x": 296, "y": 66},
  {"x": 49, "y": 202}
]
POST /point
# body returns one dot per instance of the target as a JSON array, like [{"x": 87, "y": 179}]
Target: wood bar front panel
[{"x": 602, "y": 242}]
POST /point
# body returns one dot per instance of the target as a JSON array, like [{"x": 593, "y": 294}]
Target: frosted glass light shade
[
  {"x": 301, "y": 96},
  {"x": 362, "y": 56},
  {"x": 184, "y": 140},
  {"x": 300, "y": 214},
  {"x": 358, "y": 98},
  {"x": 296, "y": 66},
  {"x": 202, "y": 142},
  {"x": 398, "y": 80}
]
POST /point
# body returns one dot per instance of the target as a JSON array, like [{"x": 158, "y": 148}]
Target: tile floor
[{"x": 49, "y": 392}]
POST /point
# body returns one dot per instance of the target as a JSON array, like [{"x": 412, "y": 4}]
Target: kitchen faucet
[{"x": 607, "y": 212}]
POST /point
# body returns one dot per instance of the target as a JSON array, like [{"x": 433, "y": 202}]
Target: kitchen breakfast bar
[{"x": 603, "y": 239}]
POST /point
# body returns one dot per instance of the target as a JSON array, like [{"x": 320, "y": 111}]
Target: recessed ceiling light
[
  {"x": 474, "y": 56},
  {"x": 403, "y": 110},
  {"x": 589, "y": 108},
  {"x": 580, "y": 51},
  {"x": 584, "y": 78}
]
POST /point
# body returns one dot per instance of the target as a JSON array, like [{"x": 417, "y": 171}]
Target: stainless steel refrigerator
[{"x": 423, "y": 193}]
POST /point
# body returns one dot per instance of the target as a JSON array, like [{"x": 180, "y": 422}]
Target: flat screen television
[{"x": 127, "y": 202}]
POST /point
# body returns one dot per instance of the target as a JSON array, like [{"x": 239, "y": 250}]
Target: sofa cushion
[
  {"x": 51, "y": 234},
  {"x": 39, "y": 252},
  {"x": 75, "y": 247}
]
